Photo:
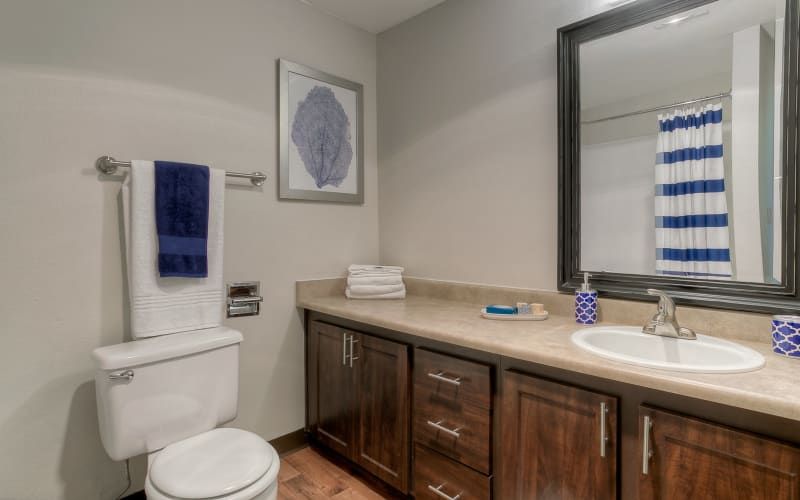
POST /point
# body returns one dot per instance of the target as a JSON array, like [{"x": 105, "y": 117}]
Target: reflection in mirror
[{"x": 680, "y": 162}]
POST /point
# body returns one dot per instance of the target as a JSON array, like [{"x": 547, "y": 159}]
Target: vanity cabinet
[
  {"x": 452, "y": 427},
  {"x": 437, "y": 477},
  {"x": 684, "y": 457},
  {"x": 558, "y": 441},
  {"x": 359, "y": 401},
  {"x": 436, "y": 421}
]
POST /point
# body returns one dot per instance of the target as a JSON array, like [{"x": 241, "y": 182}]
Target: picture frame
[{"x": 320, "y": 134}]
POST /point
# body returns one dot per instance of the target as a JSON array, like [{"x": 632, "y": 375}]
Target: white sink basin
[{"x": 705, "y": 355}]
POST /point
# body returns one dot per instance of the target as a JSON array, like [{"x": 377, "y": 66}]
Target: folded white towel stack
[
  {"x": 168, "y": 305},
  {"x": 375, "y": 282}
]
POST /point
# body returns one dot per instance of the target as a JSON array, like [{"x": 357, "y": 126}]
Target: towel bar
[{"x": 109, "y": 165}]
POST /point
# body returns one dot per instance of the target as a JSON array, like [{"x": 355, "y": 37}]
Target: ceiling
[
  {"x": 643, "y": 59},
  {"x": 373, "y": 15}
]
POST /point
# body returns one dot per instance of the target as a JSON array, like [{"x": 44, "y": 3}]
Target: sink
[{"x": 705, "y": 355}]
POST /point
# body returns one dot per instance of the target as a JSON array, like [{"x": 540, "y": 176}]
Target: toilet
[{"x": 165, "y": 397}]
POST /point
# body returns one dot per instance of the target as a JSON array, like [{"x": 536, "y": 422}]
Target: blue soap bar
[{"x": 501, "y": 310}]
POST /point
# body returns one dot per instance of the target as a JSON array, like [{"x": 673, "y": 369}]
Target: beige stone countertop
[{"x": 773, "y": 390}]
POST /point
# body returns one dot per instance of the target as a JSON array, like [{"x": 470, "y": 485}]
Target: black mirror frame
[{"x": 758, "y": 297}]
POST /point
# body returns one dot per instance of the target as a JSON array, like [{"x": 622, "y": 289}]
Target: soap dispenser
[{"x": 586, "y": 303}]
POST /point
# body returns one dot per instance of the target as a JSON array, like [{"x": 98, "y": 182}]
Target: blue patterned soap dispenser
[{"x": 586, "y": 303}]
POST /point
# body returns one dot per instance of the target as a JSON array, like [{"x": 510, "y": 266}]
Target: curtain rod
[
  {"x": 108, "y": 165},
  {"x": 657, "y": 108}
]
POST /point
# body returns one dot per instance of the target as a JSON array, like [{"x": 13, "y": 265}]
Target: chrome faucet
[{"x": 664, "y": 322}]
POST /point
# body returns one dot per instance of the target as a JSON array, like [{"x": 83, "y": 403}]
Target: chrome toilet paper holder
[{"x": 244, "y": 298}]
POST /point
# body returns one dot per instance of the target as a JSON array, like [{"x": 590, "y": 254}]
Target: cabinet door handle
[
  {"x": 438, "y": 426},
  {"x": 440, "y": 377},
  {"x": 344, "y": 349},
  {"x": 603, "y": 432},
  {"x": 353, "y": 340},
  {"x": 647, "y": 453},
  {"x": 438, "y": 491}
]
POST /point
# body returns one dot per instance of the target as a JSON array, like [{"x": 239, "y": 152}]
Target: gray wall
[
  {"x": 183, "y": 80},
  {"x": 467, "y": 140}
]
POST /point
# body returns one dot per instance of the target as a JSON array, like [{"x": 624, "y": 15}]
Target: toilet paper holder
[{"x": 244, "y": 298}]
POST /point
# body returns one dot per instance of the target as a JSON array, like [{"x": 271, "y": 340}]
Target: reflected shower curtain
[{"x": 692, "y": 237}]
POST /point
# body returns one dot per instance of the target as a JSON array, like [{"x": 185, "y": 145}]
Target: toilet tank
[{"x": 156, "y": 391}]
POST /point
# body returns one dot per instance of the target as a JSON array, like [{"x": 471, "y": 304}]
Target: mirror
[{"x": 678, "y": 136}]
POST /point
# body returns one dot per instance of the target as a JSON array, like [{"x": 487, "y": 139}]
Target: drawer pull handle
[
  {"x": 438, "y": 490},
  {"x": 441, "y": 378},
  {"x": 438, "y": 425}
]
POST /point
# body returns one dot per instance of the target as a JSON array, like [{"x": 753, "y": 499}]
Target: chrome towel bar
[{"x": 109, "y": 165}]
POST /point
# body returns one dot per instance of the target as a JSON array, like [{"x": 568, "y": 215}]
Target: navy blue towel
[{"x": 182, "y": 219}]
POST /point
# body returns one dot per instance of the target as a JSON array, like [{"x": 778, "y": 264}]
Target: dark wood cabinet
[
  {"x": 335, "y": 404},
  {"x": 437, "y": 477},
  {"x": 358, "y": 399},
  {"x": 383, "y": 409},
  {"x": 452, "y": 408},
  {"x": 558, "y": 441},
  {"x": 488, "y": 426},
  {"x": 684, "y": 457}
]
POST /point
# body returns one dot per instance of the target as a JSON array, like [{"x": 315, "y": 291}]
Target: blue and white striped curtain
[{"x": 691, "y": 211}]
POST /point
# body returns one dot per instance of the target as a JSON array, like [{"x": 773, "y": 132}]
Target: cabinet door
[
  {"x": 558, "y": 441},
  {"x": 383, "y": 409},
  {"x": 335, "y": 394},
  {"x": 690, "y": 458}
]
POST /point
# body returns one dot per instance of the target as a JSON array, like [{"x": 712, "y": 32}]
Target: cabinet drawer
[
  {"x": 462, "y": 433},
  {"x": 453, "y": 379},
  {"x": 432, "y": 471}
]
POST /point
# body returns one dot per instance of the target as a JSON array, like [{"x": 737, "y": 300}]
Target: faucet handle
[{"x": 665, "y": 303}]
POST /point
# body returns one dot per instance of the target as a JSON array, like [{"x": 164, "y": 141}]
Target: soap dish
[{"x": 514, "y": 317}]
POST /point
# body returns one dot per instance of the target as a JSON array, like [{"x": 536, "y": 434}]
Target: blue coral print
[{"x": 321, "y": 132}]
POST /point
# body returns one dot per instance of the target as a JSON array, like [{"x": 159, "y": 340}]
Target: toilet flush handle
[{"x": 121, "y": 374}]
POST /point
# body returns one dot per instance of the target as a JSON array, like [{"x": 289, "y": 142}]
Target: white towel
[
  {"x": 169, "y": 305},
  {"x": 375, "y": 289},
  {"x": 372, "y": 270},
  {"x": 392, "y": 295},
  {"x": 392, "y": 279}
]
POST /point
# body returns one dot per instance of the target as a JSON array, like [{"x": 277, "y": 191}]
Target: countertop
[{"x": 773, "y": 390}]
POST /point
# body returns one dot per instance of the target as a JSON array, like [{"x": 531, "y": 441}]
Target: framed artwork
[{"x": 321, "y": 135}]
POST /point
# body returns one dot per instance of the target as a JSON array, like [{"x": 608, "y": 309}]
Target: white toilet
[{"x": 165, "y": 396}]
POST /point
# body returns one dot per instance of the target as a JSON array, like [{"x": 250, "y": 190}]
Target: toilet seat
[{"x": 223, "y": 464}]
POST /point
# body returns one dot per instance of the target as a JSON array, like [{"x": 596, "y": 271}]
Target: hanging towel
[
  {"x": 692, "y": 237},
  {"x": 182, "y": 219},
  {"x": 161, "y": 305}
]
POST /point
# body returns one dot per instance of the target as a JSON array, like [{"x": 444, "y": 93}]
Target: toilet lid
[{"x": 215, "y": 463}]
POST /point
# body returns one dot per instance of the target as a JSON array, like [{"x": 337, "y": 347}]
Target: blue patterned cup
[
  {"x": 786, "y": 335},
  {"x": 586, "y": 307}
]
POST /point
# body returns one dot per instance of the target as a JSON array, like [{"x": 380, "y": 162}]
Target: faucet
[{"x": 664, "y": 322}]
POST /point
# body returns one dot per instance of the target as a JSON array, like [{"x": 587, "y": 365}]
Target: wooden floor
[{"x": 305, "y": 474}]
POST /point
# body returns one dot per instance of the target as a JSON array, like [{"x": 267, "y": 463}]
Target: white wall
[
  {"x": 746, "y": 93},
  {"x": 617, "y": 208},
  {"x": 184, "y": 80},
  {"x": 467, "y": 140},
  {"x": 777, "y": 169}
]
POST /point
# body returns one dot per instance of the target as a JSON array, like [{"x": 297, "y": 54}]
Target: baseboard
[{"x": 290, "y": 442}]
